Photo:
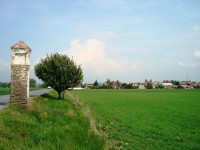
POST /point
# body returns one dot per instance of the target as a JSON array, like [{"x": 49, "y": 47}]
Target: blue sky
[{"x": 125, "y": 40}]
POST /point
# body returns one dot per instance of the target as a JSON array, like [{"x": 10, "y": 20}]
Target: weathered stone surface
[{"x": 19, "y": 83}]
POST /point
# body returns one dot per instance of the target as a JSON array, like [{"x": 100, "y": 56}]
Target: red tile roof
[{"x": 20, "y": 45}]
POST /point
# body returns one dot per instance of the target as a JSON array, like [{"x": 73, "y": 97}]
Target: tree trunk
[
  {"x": 63, "y": 94},
  {"x": 59, "y": 93}
]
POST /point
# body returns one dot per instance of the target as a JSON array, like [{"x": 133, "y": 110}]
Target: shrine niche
[{"x": 20, "y": 74}]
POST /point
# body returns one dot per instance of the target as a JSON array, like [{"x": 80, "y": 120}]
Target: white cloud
[
  {"x": 185, "y": 64},
  {"x": 197, "y": 53},
  {"x": 92, "y": 56}
]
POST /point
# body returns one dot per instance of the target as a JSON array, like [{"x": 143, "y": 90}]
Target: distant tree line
[
  {"x": 5, "y": 84},
  {"x": 112, "y": 85},
  {"x": 147, "y": 84},
  {"x": 32, "y": 83},
  {"x": 106, "y": 85}
]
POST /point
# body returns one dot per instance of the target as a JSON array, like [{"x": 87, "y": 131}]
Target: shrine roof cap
[{"x": 20, "y": 45}]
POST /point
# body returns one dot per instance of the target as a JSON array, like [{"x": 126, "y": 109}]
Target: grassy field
[
  {"x": 4, "y": 91},
  {"x": 147, "y": 119},
  {"x": 48, "y": 124}
]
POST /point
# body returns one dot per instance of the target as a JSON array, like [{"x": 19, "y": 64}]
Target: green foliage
[
  {"x": 143, "y": 119},
  {"x": 149, "y": 86},
  {"x": 108, "y": 84},
  {"x": 5, "y": 91},
  {"x": 5, "y": 84},
  {"x": 47, "y": 124},
  {"x": 96, "y": 83},
  {"x": 5, "y": 88},
  {"x": 42, "y": 85},
  {"x": 94, "y": 87},
  {"x": 32, "y": 82},
  {"x": 127, "y": 86},
  {"x": 160, "y": 86},
  {"x": 59, "y": 72},
  {"x": 175, "y": 82}
]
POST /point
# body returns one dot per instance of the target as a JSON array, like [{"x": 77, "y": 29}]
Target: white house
[{"x": 168, "y": 85}]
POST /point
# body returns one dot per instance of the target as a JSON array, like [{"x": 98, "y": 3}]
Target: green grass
[
  {"x": 47, "y": 124},
  {"x": 5, "y": 91},
  {"x": 147, "y": 119},
  {"x": 35, "y": 88}
]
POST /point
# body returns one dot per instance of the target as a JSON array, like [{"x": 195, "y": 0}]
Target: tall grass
[
  {"x": 149, "y": 119},
  {"x": 48, "y": 123}
]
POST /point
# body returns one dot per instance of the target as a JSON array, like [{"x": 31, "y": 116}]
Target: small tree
[
  {"x": 59, "y": 72},
  {"x": 149, "y": 86},
  {"x": 108, "y": 84},
  {"x": 126, "y": 86},
  {"x": 160, "y": 86},
  {"x": 96, "y": 83},
  {"x": 32, "y": 83}
]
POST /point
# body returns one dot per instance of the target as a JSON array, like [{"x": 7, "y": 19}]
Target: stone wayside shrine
[{"x": 20, "y": 74}]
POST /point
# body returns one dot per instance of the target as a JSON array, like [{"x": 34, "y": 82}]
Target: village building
[
  {"x": 141, "y": 86},
  {"x": 168, "y": 85}
]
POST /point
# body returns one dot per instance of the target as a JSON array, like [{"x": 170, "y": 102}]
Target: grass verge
[
  {"x": 35, "y": 88},
  {"x": 48, "y": 123},
  {"x": 110, "y": 143}
]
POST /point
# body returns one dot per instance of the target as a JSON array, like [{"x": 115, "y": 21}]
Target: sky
[{"x": 125, "y": 40}]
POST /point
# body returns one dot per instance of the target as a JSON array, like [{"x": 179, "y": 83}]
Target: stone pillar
[{"x": 20, "y": 74}]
